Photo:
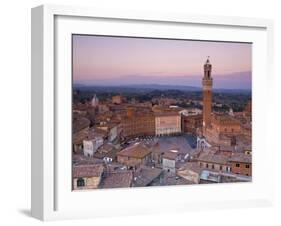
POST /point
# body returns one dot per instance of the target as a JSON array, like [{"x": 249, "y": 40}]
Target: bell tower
[{"x": 207, "y": 83}]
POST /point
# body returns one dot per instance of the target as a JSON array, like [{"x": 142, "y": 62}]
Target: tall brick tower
[{"x": 207, "y": 83}]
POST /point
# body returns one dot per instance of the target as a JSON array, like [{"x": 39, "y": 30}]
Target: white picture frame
[{"x": 52, "y": 198}]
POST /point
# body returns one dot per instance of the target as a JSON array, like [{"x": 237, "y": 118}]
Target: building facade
[
  {"x": 134, "y": 156},
  {"x": 191, "y": 123},
  {"x": 87, "y": 176},
  {"x": 217, "y": 162},
  {"x": 117, "y": 99},
  {"x": 90, "y": 146},
  {"x": 241, "y": 164},
  {"x": 223, "y": 130},
  {"x": 167, "y": 123},
  {"x": 136, "y": 124}
]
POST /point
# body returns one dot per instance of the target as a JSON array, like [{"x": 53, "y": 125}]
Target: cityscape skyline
[
  {"x": 147, "y": 138},
  {"x": 118, "y": 61}
]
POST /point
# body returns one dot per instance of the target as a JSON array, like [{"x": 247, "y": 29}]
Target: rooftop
[
  {"x": 145, "y": 175},
  {"x": 171, "y": 155},
  {"x": 175, "y": 180},
  {"x": 106, "y": 150},
  {"x": 95, "y": 133},
  {"x": 117, "y": 180},
  {"x": 219, "y": 118},
  {"x": 78, "y": 137},
  {"x": 137, "y": 150},
  {"x": 87, "y": 170},
  {"x": 80, "y": 124},
  {"x": 193, "y": 166},
  {"x": 241, "y": 157},
  {"x": 213, "y": 158}
]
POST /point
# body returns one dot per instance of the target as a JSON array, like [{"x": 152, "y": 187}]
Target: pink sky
[{"x": 103, "y": 59}]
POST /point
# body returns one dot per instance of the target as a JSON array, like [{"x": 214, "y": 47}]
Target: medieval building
[
  {"x": 218, "y": 128},
  {"x": 207, "y": 83}
]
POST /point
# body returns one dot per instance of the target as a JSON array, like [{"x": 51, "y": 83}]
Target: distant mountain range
[
  {"x": 138, "y": 88},
  {"x": 231, "y": 81}
]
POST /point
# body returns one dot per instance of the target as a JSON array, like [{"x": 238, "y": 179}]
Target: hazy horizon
[{"x": 120, "y": 61}]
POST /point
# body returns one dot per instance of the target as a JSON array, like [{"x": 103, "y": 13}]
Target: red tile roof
[
  {"x": 88, "y": 170},
  {"x": 117, "y": 180},
  {"x": 137, "y": 150}
]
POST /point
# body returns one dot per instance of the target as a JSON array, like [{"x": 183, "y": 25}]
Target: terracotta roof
[
  {"x": 84, "y": 160},
  {"x": 224, "y": 119},
  {"x": 213, "y": 158},
  {"x": 145, "y": 175},
  {"x": 172, "y": 180},
  {"x": 106, "y": 150},
  {"x": 87, "y": 170},
  {"x": 80, "y": 124},
  {"x": 96, "y": 132},
  {"x": 117, "y": 180},
  {"x": 241, "y": 157},
  {"x": 79, "y": 137},
  {"x": 137, "y": 150},
  {"x": 171, "y": 155},
  {"x": 192, "y": 166}
]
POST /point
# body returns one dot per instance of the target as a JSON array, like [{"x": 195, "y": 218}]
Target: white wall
[{"x": 15, "y": 110}]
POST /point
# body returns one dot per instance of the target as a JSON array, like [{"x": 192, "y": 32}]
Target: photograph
[{"x": 152, "y": 111}]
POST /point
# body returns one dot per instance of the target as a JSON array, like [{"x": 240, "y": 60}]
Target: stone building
[
  {"x": 167, "y": 123},
  {"x": 218, "y": 129},
  {"x": 134, "y": 156},
  {"x": 102, "y": 108},
  {"x": 136, "y": 124},
  {"x": 87, "y": 176},
  {"x": 191, "y": 123},
  {"x": 217, "y": 162},
  {"x": 241, "y": 164},
  {"x": 80, "y": 128},
  {"x": 117, "y": 99},
  {"x": 90, "y": 146},
  {"x": 169, "y": 161},
  {"x": 223, "y": 130},
  {"x": 95, "y": 139}
]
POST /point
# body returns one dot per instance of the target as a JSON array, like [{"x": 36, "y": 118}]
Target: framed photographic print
[{"x": 137, "y": 112}]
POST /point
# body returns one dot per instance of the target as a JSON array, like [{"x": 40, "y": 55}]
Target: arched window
[{"x": 80, "y": 182}]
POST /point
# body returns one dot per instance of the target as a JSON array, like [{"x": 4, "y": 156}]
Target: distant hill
[
  {"x": 238, "y": 80},
  {"x": 142, "y": 88}
]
